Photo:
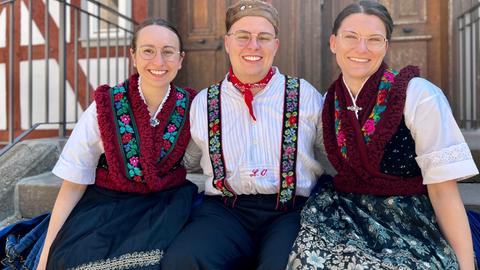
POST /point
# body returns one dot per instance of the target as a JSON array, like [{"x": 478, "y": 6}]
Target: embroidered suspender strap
[
  {"x": 175, "y": 123},
  {"x": 215, "y": 144},
  {"x": 288, "y": 160},
  {"x": 127, "y": 132}
]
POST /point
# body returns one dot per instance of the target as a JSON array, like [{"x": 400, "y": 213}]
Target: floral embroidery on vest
[
  {"x": 289, "y": 142},
  {"x": 288, "y": 159},
  {"x": 127, "y": 132},
  {"x": 368, "y": 129},
  {"x": 175, "y": 122}
]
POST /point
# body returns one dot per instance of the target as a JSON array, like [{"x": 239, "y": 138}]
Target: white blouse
[
  {"x": 442, "y": 153},
  {"x": 251, "y": 149}
]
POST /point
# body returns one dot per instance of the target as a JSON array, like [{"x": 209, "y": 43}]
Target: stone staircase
[{"x": 28, "y": 188}]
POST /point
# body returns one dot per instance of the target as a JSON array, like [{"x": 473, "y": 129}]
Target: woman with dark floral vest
[
  {"x": 124, "y": 196},
  {"x": 391, "y": 136}
]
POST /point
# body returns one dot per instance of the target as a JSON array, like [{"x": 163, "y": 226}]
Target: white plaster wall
[
  {"x": 103, "y": 71},
  {"x": 3, "y": 97},
  {"x": 37, "y": 37},
  {"x": 39, "y": 95},
  {"x": 3, "y": 28},
  {"x": 54, "y": 10}
]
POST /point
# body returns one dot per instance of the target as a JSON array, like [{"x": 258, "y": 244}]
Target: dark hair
[
  {"x": 369, "y": 8},
  {"x": 155, "y": 21}
]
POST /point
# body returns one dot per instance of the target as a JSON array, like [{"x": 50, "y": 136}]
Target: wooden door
[
  {"x": 202, "y": 26},
  {"x": 420, "y": 36}
]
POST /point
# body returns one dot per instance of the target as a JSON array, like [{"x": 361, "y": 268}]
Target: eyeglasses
[
  {"x": 374, "y": 42},
  {"x": 243, "y": 37},
  {"x": 148, "y": 52}
]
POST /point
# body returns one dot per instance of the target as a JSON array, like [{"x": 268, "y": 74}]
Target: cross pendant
[{"x": 354, "y": 108}]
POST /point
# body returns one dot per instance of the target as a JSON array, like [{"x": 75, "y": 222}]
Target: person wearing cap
[{"x": 256, "y": 135}]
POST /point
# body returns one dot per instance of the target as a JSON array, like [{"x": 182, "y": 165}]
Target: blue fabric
[
  {"x": 23, "y": 243},
  {"x": 474, "y": 220}
]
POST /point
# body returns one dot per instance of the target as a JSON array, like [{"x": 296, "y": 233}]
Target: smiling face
[
  {"x": 158, "y": 72},
  {"x": 251, "y": 62},
  {"x": 358, "y": 62}
]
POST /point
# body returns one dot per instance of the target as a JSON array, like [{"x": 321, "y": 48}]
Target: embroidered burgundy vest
[
  {"x": 360, "y": 163},
  {"x": 141, "y": 158}
]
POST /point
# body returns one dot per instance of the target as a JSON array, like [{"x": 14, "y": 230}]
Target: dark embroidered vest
[
  {"x": 288, "y": 158},
  {"x": 138, "y": 157},
  {"x": 369, "y": 164}
]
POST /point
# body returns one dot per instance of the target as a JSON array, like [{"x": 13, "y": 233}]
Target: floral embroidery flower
[
  {"x": 167, "y": 144},
  {"x": 340, "y": 138},
  {"x": 289, "y": 180},
  {"x": 126, "y": 137},
  {"x": 171, "y": 128},
  {"x": 292, "y": 120},
  {"x": 369, "y": 126},
  {"x": 125, "y": 119},
  {"x": 134, "y": 161},
  {"x": 118, "y": 96},
  {"x": 389, "y": 76},
  {"x": 382, "y": 95},
  {"x": 215, "y": 128},
  {"x": 179, "y": 95},
  {"x": 181, "y": 111}
]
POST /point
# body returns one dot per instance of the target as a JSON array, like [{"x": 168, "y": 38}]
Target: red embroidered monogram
[{"x": 258, "y": 172}]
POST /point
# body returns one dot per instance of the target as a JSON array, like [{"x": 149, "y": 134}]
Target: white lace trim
[
  {"x": 126, "y": 261},
  {"x": 452, "y": 154},
  {"x": 163, "y": 100}
]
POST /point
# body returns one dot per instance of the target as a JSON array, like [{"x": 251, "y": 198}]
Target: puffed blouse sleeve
[
  {"x": 79, "y": 158},
  {"x": 442, "y": 153}
]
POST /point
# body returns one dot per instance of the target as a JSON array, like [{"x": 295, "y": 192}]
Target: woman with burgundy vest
[
  {"x": 124, "y": 196},
  {"x": 391, "y": 136}
]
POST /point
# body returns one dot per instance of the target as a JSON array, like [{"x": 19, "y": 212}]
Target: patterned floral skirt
[
  {"x": 117, "y": 230},
  {"x": 353, "y": 231}
]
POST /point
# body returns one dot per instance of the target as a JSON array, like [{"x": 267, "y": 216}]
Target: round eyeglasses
[
  {"x": 352, "y": 39},
  {"x": 243, "y": 37},
  {"x": 148, "y": 52}
]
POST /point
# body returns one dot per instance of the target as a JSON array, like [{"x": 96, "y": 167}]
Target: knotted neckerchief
[{"x": 246, "y": 88}]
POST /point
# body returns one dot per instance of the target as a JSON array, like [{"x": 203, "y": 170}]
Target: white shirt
[
  {"x": 251, "y": 149},
  {"x": 442, "y": 153},
  {"x": 79, "y": 158}
]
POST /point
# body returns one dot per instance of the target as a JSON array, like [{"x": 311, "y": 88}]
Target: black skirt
[{"x": 117, "y": 230}]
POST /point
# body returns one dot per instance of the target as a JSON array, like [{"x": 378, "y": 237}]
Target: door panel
[{"x": 201, "y": 24}]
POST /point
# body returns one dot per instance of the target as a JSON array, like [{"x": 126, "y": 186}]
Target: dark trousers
[{"x": 252, "y": 235}]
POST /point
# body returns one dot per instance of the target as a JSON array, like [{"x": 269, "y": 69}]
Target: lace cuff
[{"x": 454, "y": 162}]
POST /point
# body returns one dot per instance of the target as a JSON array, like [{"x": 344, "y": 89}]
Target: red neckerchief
[{"x": 246, "y": 88}]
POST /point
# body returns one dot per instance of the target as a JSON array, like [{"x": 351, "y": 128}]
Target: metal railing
[
  {"x": 469, "y": 68},
  {"x": 82, "y": 47}
]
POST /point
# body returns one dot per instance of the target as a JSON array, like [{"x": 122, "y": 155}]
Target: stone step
[
  {"x": 470, "y": 193},
  {"x": 26, "y": 159},
  {"x": 36, "y": 195}
]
